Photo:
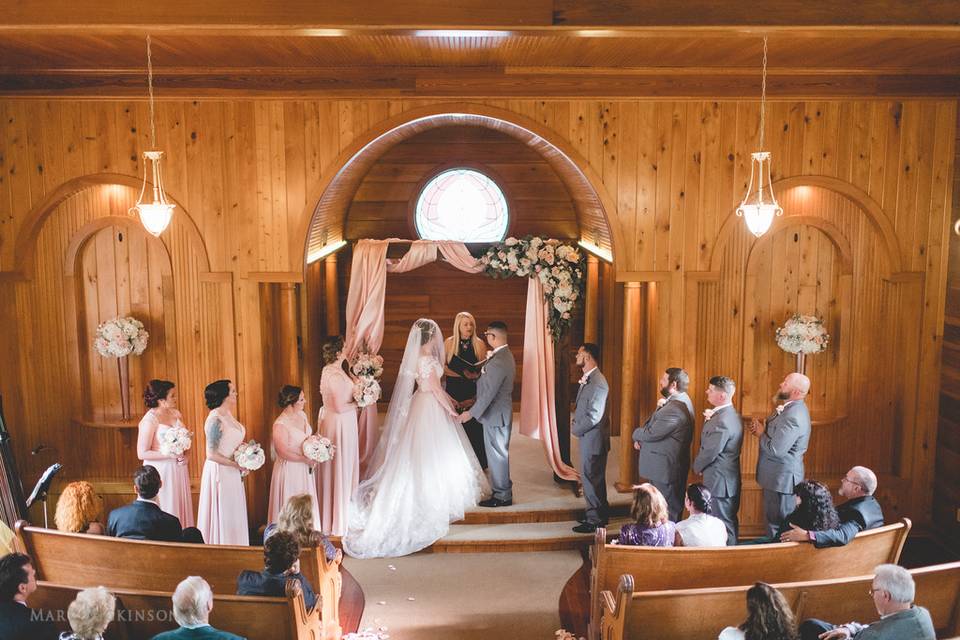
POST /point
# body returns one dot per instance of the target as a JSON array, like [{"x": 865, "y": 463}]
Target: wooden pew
[
  {"x": 702, "y": 613},
  {"x": 143, "y": 614},
  {"x": 661, "y": 568},
  {"x": 86, "y": 560}
]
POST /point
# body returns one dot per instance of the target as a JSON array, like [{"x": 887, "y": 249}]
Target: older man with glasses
[
  {"x": 892, "y": 591},
  {"x": 860, "y": 512}
]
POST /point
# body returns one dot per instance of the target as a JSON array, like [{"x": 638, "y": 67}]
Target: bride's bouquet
[
  {"x": 367, "y": 367},
  {"x": 175, "y": 441},
  {"x": 250, "y": 456},
  {"x": 318, "y": 448},
  {"x": 366, "y": 391}
]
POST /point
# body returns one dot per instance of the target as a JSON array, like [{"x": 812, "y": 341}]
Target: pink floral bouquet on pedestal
[
  {"x": 120, "y": 337},
  {"x": 803, "y": 334}
]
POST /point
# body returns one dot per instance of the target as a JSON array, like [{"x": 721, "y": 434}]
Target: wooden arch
[
  {"x": 830, "y": 230},
  {"x": 325, "y": 221}
]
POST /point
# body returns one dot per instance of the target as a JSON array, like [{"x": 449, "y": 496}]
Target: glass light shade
[
  {"x": 759, "y": 205},
  {"x": 155, "y": 216}
]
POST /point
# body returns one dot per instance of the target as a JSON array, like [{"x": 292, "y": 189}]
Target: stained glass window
[{"x": 463, "y": 205}]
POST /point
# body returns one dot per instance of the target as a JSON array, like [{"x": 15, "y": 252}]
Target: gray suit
[
  {"x": 665, "y": 450},
  {"x": 592, "y": 426},
  {"x": 493, "y": 409},
  {"x": 914, "y": 623},
  {"x": 780, "y": 465},
  {"x": 719, "y": 462}
]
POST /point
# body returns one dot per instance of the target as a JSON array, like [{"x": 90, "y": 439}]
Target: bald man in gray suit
[
  {"x": 664, "y": 440},
  {"x": 719, "y": 458},
  {"x": 784, "y": 437}
]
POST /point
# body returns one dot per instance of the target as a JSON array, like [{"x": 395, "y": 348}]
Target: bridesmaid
[
  {"x": 339, "y": 477},
  {"x": 292, "y": 472},
  {"x": 223, "y": 502},
  {"x": 462, "y": 387},
  {"x": 160, "y": 396}
]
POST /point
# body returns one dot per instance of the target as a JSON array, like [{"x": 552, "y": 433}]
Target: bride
[{"x": 425, "y": 471}]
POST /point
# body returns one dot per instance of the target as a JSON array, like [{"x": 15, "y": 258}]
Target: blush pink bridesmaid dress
[
  {"x": 338, "y": 478},
  {"x": 223, "y": 503},
  {"x": 174, "y": 496},
  {"x": 291, "y": 471}
]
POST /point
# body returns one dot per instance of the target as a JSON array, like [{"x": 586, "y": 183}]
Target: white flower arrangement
[
  {"x": 803, "y": 334},
  {"x": 366, "y": 391},
  {"x": 367, "y": 367},
  {"x": 120, "y": 337},
  {"x": 175, "y": 440},
  {"x": 318, "y": 448},
  {"x": 367, "y": 364},
  {"x": 249, "y": 455},
  {"x": 559, "y": 267}
]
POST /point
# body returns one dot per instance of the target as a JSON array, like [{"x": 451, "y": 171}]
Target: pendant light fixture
[
  {"x": 759, "y": 205},
  {"x": 156, "y": 214}
]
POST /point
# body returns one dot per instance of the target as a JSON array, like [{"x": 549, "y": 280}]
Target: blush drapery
[{"x": 365, "y": 322}]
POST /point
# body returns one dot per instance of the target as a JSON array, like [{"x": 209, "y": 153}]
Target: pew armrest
[{"x": 614, "y": 610}]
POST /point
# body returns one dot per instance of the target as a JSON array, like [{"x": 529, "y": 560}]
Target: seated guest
[
  {"x": 192, "y": 604},
  {"x": 17, "y": 620},
  {"x": 701, "y": 529},
  {"x": 281, "y": 559},
  {"x": 814, "y": 511},
  {"x": 860, "y": 512},
  {"x": 143, "y": 519},
  {"x": 79, "y": 509},
  {"x": 89, "y": 614},
  {"x": 768, "y": 617},
  {"x": 892, "y": 592},
  {"x": 652, "y": 527},
  {"x": 296, "y": 518}
]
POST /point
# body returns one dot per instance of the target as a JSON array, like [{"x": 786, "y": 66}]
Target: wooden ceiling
[{"x": 435, "y": 48}]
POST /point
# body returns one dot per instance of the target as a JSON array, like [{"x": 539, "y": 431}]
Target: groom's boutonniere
[
  {"x": 708, "y": 413},
  {"x": 582, "y": 380},
  {"x": 661, "y": 402},
  {"x": 780, "y": 409}
]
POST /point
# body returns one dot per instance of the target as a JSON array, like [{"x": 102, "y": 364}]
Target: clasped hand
[{"x": 757, "y": 427}]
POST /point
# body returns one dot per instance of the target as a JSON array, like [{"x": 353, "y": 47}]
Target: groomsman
[
  {"x": 784, "y": 437},
  {"x": 664, "y": 440},
  {"x": 591, "y": 425},
  {"x": 719, "y": 458}
]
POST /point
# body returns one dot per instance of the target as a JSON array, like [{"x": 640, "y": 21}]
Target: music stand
[{"x": 42, "y": 488}]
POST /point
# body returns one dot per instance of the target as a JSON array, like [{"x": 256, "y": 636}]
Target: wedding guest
[
  {"x": 719, "y": 458},
  {"x": 143, "y": 519},
  {"x": 192, "y": 604},
  {"x": 281, "y": 558},
  {"x": 784, "y": 437},
  {"x": 893, "y": 590},
  {"x": 160, "y": 397},
  {"x": 223, "y": 504},
  {"x": 337, "y": 478},
  {"x": 860, "y": 512},
  {"x": 769, "y": 617},
  {"x": 664, "y": 440},
  {"x": 296, "y": 518},
  {"x": 461, "y": 348},
  {"x": 18, "y": 581},
  {"x": 813, "y": 511},
  {"x": 591, "y": 426},
  {"x": 652, "y": 526},
  {"x": 701, "y": 528},
  {"x": 293, "y": 471},
  {"x": 79, "y": 509},
  {"x": 89, "y": 614}
]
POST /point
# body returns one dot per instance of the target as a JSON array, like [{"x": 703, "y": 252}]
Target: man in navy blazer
[
  {"x": 17, "y": 620},
  {"x": 143, "y": 519},
  {"x": 192, "y": 604}
]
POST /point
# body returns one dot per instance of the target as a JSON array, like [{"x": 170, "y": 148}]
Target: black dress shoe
[
  {"x": 494, "y": 502},
  {"x": 586, "y": 527}
]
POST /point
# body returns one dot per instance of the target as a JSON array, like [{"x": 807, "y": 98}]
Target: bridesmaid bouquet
[
  {"x": 366, "y": 391},
  {"x": 250, "y": 456},
  {"x": 175, "y": 441},
  {"x": 318, "y": 448}
]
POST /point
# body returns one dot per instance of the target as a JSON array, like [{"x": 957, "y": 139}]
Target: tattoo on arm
[{"x": 213, "y": 430}]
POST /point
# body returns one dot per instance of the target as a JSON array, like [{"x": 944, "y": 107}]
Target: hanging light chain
[
  {"x": 763, "y": 94},
  {"x": 153, "y": 129}
]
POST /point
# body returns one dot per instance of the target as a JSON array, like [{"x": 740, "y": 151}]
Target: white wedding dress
[{"x": 425, "y": 471}]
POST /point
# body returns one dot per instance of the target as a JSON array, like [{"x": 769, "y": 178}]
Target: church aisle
[{"x": 464, "y": 595}]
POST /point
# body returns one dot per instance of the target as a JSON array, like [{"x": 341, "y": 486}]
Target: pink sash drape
[{"x": 365, "y": 322}]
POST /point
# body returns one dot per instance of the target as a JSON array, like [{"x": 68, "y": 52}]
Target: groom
[{"x": 493, "y": 408}]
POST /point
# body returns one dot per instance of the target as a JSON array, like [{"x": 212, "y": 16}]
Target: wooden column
[
  {"x": 630, "y": 372},
  {"x": 331, "y": 295},
  {"x": 288, "y": 353},
  {"x": 591, "y": 310}
]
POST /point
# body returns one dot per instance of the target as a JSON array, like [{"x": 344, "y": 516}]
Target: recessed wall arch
[{"x": 324, "y": 221}]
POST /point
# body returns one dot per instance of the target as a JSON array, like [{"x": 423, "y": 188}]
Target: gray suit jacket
[
  {"x": 719, "y": 457},
  {"x": 590, "y": 422},
  {"x": 914, "y": 623},
  {"x": 665, "y": 438},
  {"x": 494, "y": 403},
  {"x": 780, "y": 465}
]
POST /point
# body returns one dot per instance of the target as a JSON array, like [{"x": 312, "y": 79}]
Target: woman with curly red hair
[{"x": 79, "y": 509}]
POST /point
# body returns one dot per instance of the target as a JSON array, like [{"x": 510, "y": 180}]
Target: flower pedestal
[
  {"x": 123, "y": 373},
  {"x": 801, "y": 362}
]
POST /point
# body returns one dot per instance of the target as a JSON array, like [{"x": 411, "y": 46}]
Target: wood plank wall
[{"x": 244, "y": 171}]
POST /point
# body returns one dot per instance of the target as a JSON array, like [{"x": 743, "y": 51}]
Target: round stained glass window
[{"x": 462, "y": 205}]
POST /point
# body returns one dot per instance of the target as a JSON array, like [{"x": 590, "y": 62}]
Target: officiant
[{"x": 463, "y": 350}]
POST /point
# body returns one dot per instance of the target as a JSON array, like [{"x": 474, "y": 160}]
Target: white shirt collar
[
  {"x": 723, "y": 406},
  {"x": 503, "y": 346},
  {"x": 150, "y": 500}
]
